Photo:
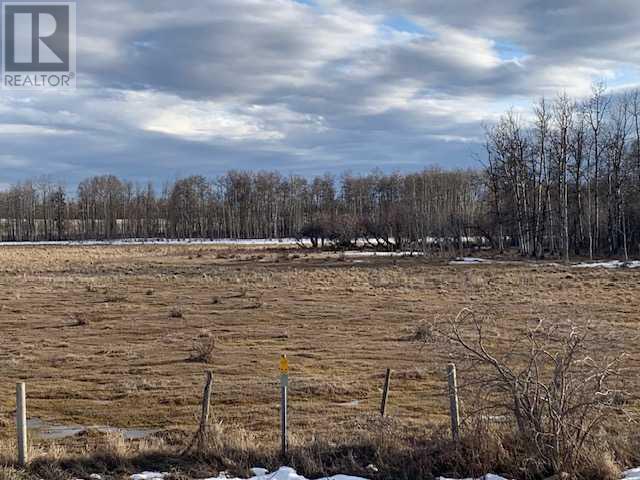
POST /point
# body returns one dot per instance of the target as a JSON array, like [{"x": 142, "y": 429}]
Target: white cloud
[{"x": 193, "y": 120}]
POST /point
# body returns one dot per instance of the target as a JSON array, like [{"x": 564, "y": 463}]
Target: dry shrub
[
  {"x": 423, "y": 332},
  {"x": 548, "y": 385},
  {"x": 370, "y": 447},
  {"x": 600, "y": 465},
  {"x": 11, "y": 473},
  {"x": 203, "y": 348},
  {"x": 176, "y": 312},
  {"x": 103, "y": 452}
]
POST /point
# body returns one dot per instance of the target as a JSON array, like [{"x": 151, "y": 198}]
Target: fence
[{"x": 202, "y": 433}]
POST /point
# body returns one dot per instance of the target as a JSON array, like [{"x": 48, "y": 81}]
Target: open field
[{"x": 104, "y": 334}]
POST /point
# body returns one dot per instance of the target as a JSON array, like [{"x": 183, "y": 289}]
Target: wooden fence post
[
  {"x": 206, "y": 403},
  {"x": 385, "y": 393},
  {"x": 201, "y": 438},
  {"x": 21, "y": 423},
  {"x": 284, "y": 384},
  {"x": 454, "y": 406}
]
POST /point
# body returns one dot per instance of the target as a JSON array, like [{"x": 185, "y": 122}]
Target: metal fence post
[
  {"x": 284, "y": 384},
  {"x": 21, "y": 423}
]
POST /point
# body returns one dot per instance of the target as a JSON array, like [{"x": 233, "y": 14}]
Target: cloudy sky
[{"x": 171, "y": 88}]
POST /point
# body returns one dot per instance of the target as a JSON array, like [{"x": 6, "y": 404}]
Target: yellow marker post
[
  {"x": 284, "y": 383},
  {"x": 284, "y": 364}
]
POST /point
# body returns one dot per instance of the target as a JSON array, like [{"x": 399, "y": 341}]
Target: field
[{"x": 104, "y": 335}]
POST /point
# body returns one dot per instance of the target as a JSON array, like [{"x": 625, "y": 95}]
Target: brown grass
[
  {"x": 371, "y": 447},
  {"x": 342, "y": 321}
]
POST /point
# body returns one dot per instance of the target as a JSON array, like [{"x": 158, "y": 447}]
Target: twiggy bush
[
  {"x": 549, "y": 387},
  {"x": 203, "y": 348}
]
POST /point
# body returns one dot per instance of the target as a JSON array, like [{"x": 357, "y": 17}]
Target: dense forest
[{"x": 561, "y": 180}]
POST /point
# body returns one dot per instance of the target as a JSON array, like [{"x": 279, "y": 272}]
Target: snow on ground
[
  {"x": 609, "y": 264},
  {"x": 284, "y": 473},
  {"x": 383, "y": 254},
  {"x": 633, "y": 474},
  {"x": 288, "y": 473},
  {"x": 149, "y": 476},
  {"x": 489, "y": 476},
  {"x": 160, "y": 241},
  {"x": 469, "y": 261}
]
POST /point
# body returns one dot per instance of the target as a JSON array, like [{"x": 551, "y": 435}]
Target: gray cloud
[{"x": 201, "y": 86}]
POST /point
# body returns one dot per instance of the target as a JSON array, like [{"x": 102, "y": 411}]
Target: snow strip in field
[
  {"x": 609, "y": 264},
  {"x": 158, "y": 241},
  {"x": 383, "y": 254},
  {"x": 469, "y": 261},
  {"x": 288, "y": 473}
]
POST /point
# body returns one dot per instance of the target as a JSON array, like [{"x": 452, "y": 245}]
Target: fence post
[
  {"x": 385, "y": 393},
  {"x": 206, "y": 403},
  {"x": 21, "y": 423},
  {"x": 454, "y": 406},
  {"x": 284, "y": 383},
  {"x": 201, "y": 437}
]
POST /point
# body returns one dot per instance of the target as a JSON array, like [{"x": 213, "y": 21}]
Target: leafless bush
[
  {"x": 423, "y": 332},
  {"x": 557, "y": 397},
  {"x": 203, "y": 348},
  {"x": 176, "y": 312}
]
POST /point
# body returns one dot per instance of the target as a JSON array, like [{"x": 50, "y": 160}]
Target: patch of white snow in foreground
[
  {"x": 149, "y": 476},
  {"x": 609, "y": 264},
  {"x": 489, "y": 476},
  {"x": 284, "y": 473},
  {"x": 288, "y": 473},
  {"x": 633, "y": 474}
]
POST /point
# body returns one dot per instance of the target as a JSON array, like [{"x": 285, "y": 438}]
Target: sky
[{"x": 172, "y": 88}]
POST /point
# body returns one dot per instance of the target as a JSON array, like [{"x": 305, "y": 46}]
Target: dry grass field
[{"x": 105, "y": 335}]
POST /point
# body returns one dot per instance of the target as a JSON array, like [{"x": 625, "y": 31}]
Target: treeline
[
  {"x": 433, "y": 207},
  {"x": 563, "y": 180},
  {"x": 567, "y": 180}
]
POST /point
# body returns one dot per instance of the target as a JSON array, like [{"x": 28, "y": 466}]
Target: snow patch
[
  {"x": 382, "y": 254},
  {"x": 149, "y": 476},
  {"x": 288, "y": 473},
  {"x": 609, "y": 264},
  {"x": 469, "y": 261},
  {"x": 284, "y": 473},
  {"x": 159, "y": 241},
  {"x": 633, "y": 474},
  {"x": 489, "y": 476}
]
